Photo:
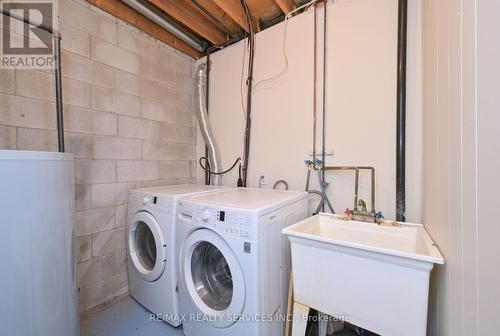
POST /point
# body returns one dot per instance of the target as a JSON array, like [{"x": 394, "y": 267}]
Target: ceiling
[{"x": 216, "y": 23}]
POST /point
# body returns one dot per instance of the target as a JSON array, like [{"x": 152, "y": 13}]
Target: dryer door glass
[
  {"x": 212, "y": 276},
  {"x": 146, "y": 246}
]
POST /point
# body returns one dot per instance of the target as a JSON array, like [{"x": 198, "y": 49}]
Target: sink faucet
[
  {"x": 362, "y": 205},
  {"x": 358, "y": 214}
]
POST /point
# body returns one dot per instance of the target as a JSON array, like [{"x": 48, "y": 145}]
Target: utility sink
[{"x": 375, "y": 276}]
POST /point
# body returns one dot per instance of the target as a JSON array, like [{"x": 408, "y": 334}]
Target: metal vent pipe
[
  {"x": 206, "y": 131},
  {"x": 167, "y": 24}
]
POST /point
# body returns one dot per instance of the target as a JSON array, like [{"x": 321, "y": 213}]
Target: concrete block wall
[{"x": 129, "y": 119}]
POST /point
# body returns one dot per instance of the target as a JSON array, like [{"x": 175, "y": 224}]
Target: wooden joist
[
  {"x": 220, "y": 15},
  {"x": 213, "y": 20},
  {"x": 191, "y": 16},
  {"x": 264, "y": 10},
  {"x": 234, "y": 9},
  {"x": 127, "y": 14},
  {"x": 286, "y": 5}
]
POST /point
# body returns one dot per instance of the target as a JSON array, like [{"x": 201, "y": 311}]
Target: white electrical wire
[
  {"x": 308, "y": 5},
  {"x": 280, "y": 76},
  {"x": 284, "y": 71}
]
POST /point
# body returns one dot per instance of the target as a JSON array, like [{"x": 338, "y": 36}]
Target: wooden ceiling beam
[
  {"x": 234, "y": 9},
  {"x": 264, "y": 10},
  {"x": 286, "y": 5},
  {"x": 129, "y": 15},
  {"x": 189, "y": 15},
  {"x": 220, "y": 15}
]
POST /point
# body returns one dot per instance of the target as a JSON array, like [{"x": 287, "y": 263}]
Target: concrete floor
[
  {"x": 125, "y": 318},
  {"x": 128, "y": 318}
]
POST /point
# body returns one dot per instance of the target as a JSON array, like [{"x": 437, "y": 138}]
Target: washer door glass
[
  {"x": 212, "y": 276},
  {"x": 147, "y": 247}
]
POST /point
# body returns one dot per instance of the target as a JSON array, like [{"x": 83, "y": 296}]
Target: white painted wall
[
  {"x": 461, "y": 163},
  {"x": 488, "y": 166},
  {"x": 361, "y": 102},
  {"x": 452, "y": 133}
]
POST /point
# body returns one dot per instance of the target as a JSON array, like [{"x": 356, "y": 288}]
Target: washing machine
[
  {"x": 153, "y": 257},
  {"x": 234, "y": 261}
]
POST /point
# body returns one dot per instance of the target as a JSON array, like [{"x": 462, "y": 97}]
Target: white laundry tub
[{"x": 376, "y": 276}]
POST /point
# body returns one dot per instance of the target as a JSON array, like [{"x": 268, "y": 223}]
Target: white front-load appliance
[
  {"x": 234, "y": 261},
  {"x": 153, "y": 253}
]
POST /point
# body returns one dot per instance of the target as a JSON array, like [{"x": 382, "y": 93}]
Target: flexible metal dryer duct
[{"x": 206, "y": 131}]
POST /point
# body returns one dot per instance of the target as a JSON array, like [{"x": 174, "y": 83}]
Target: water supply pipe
[
  {"x": 59, "y": 95},
  {"x": 325, "y": 52},
  {"x": 206, "y": 131},
  {"x": 322, "y": 192},
  {"x": 57, "y": 71},
  {"x": 356, "y": 170}
]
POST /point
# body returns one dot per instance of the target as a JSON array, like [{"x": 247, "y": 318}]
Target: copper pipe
[
  {"x": 315, "y": 84},
  {"x": 323, "y": 168},
  {"x": 325, "y": 50},
  {"x": 372, "y": 169},
  {"x": 356, "y": 180},
  {"x": 356, "y": 169}
]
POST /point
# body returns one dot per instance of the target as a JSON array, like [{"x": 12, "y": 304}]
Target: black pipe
[
  {"x": 248, "y": 123},
  {"x": 59, "y": 97},
  {"x": 401, "y": 112},
  {"x": 207, "y": 172}
]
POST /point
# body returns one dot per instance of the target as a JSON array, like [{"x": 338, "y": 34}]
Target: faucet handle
[{"x": 347, "y": 214}]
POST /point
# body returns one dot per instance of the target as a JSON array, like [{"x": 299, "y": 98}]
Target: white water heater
[{"x": 38, "y": 292}]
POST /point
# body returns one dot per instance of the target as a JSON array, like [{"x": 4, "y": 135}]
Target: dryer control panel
[
  {"x": 227, "y": 222},
  {"x": 235, "y": 223}
]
